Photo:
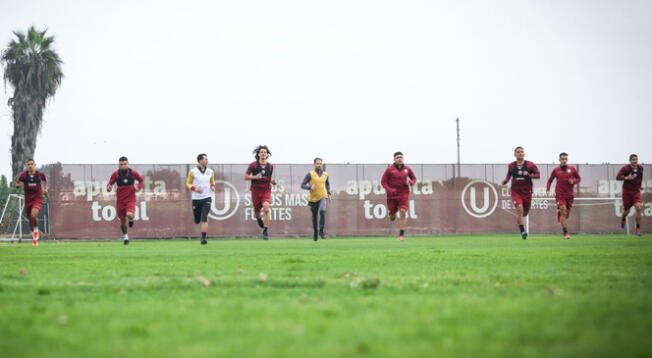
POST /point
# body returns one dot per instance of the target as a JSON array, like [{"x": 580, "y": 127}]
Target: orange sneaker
[
  {"x": 566, "y": 236},
  {"x": 401, "y": 238}
]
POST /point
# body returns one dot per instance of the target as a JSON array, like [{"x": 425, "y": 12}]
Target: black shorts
[{"x": 200, "y": 209}]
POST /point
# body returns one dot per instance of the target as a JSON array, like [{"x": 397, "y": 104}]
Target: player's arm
[
  {"x": 112, "y": 180},
  {"x": 621, "y": 174},
  {"x": 248, "y": 175},
  {"x": 271, "y": 173},
  {"x": 328, "y": 187},
  {"x": 212, "y": 181},
  {"x": 576, "y": 179},
  {"x": 550, "y": 180},
  {"x": 534, "y": 172},
  {"x": 509, "y": 174},
  {"x": 384, "y": 181},
  {"x": 412, "y": 177},
  {"x": 190, "y": 181},
  {"x": 141, "y": 181},
  {"x": 20, "y": 181},
  {"x": 305, "y": 184},
  {"x": 44, "y": 187}
]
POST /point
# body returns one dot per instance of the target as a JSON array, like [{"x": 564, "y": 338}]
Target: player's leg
[
  {"x": 564, "y": 220},
  {"x": 32, "y": 213},
  {"x": 256, "y": 197},
  {"x": 314, "y": 211},
  {"x": 402, "y": 223},
  {"x": 322, "y": 217},
  {"x": 520, "y": 219},
  {"x": 639, "y": 213},
  {"x": 121, "y": 209},
  {"x": 204, "y": 207},
  {"x": 266, "y": 219},
  {"x": 628, "y": 202}
]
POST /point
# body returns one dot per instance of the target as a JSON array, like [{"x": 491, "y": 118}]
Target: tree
[{"x": 33, "y": 69}]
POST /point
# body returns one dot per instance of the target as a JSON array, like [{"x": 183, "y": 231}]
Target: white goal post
[
  {"x": 582, "y": 202},
  {"x": 18, "y": 228}
]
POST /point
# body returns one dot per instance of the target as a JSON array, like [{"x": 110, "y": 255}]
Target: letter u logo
[{"x": 485, "y": 201}]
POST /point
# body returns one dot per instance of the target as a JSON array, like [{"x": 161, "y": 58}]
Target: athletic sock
[
  {"x": 265, "y": 229},
  {"x": 203, "y": 235},
  {"x": 638, "y": 226},
  {"x": 402, "y": 233},
  {"x": 125, "y": 237},
  {"x": 565, "y": 231},
  {"x": 522, "y": 228}
]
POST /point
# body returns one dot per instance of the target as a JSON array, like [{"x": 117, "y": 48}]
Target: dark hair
[
  {"x": 632, "y": 156},
  {"x": 29, "y": 160},
  {"x": 257, "y": 150},
  {"x": 397, "y": 153},
  {"x": 316, "y": 159},
  {"x": 517, "y": 148},
  {"x": 123, "y": 159},
  {"x": 562, "y": 154},
  {"x": 201, "y": 156}
]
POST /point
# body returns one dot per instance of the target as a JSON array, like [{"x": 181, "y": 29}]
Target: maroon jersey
[
  {"x": 631, "y": 185},
  {"x": 125, "y": 179},
  {"x": 264, "y": 183},
  {"x": 520, "y": 181},
  {"x": 567, "y": 176},
  {"x": 395, "y": 180},
  {"x": 33, "y": 184}
]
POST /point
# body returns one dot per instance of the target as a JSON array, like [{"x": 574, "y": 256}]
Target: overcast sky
[{"x": 351, "y": 81}]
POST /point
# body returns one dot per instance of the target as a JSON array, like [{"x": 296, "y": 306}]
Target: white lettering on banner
[
  {"x": 281, "y": 204},
  {"x": 489, "y": 198},
  {"x": 618, "y": 206},
  {"x": 379, "y": 211},
  {"x": 614, "y": 187},
  {"x": 91, "y": 189}
]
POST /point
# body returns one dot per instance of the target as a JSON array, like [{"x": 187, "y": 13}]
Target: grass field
[{"x": 490, "y": 295}]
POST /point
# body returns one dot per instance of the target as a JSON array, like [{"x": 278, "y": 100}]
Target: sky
[{"x": 349, "y": 81}]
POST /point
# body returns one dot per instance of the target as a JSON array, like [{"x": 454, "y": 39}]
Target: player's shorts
[
  {"x": 124, "y": 207},
  {"x": 35, "y": 203},
  {"x": 523, "y": 197},
  {"x": 201, "y": 208},
  {"x": 566, "y": 201},
  {"x": 260, "y": 197},
  {"x": 631, "y": 198},
  {"x": 396, "y": 204},
  {"x": 321, "y": 204}
]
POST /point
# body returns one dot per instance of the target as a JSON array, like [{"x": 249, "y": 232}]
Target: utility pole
[{"x": 458, "y": 147}]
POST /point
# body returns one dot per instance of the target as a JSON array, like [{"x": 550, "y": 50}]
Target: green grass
[{"x": 490, "y": 295}]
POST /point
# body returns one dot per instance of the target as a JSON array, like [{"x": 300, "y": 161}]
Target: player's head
[
  {"x": 398, "y": 158},
  {"x": 563, "y": 158},
  {"x": 318, "y": 162},
  {"x": 262, "y": 152},
  {"x": 30, "y": 164},
  {"x": 123, "y": 163},
  {"x": 202, "y": 159},
  {"x": 519, "y": 153},
  {"x": 633, "y": 159}
]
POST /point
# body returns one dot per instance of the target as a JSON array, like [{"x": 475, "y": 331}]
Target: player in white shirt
[{"x": 201, "y": 181}]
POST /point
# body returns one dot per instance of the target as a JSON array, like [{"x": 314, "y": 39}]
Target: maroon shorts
[
  {"x": 124, "y": 207},
  {"x": 260, "y": 197},
  {"x": 31, "y": 204},
  {"x": 631, "y": 198},
  {"x": 522, "y": 198},
  {"x": 396, "y": 204},
  {"x": 566, "y": 201}
]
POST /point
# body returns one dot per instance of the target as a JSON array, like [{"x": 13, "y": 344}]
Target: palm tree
[{"x": 33, "y": 69}]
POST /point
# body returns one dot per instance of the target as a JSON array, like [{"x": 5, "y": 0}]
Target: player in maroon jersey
[
  {"x": 36, "y": 187},
  {"x": 397, "y": 180},
  {"x": 125, "y": 179},
  {"x": 260, "y": 173},
  {"x": 521, "y": 173},
  {"x": 567, "y": 176},
  {"x": 632, "y": 177}
]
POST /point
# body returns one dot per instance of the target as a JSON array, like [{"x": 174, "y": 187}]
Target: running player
[
  {"x": 320, "y": 191},
  {"x": 201, "y": 181},
  {"x": 632, "y": 177},
  {"x": 397, "y": 180},
  {"x": 125, "y": 178},
  {"x": 567, "y": 176},
  {"x": 36, "y": 187},
  {"x": 260, "y": 173},
  {"x": 521, "y": 172}
]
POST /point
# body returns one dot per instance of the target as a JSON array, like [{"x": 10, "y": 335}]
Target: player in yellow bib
[{"x": 320, "y": 192}]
